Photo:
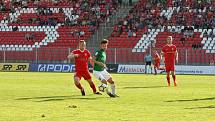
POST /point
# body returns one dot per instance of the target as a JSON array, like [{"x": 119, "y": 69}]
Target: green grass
[{"x": 28, "y": 96}]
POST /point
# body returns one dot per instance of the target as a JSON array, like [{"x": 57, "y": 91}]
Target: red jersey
[
  {"x": 169, "y": 54},
  {"x": 156, "y": 58},
  {"x": 81, "y": 62}
]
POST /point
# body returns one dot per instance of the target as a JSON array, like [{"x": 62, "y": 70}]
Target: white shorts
[{"x": 102, "y": 75}]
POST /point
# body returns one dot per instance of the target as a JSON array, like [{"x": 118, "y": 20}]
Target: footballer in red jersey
[
  {"x": 156, "y": 62},
  {"x": 82, "y": 56},
  {"x": 170, "y": 54}
]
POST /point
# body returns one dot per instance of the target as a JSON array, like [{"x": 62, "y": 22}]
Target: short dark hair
[
  {"x": 104, "y": 41},
  {"x": 82, "y": 40}
]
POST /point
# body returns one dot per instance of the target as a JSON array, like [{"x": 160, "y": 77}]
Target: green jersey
[{"x": 100, "y": 57}]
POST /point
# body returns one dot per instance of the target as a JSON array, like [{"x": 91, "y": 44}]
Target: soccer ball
[{"x": 102, "y": 87}]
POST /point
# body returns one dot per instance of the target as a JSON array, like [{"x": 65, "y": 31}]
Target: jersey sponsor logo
[{"x": 14, "y": 66}]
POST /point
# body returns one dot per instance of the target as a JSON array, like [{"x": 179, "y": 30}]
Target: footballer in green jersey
[{"x": 100, "y": 72}]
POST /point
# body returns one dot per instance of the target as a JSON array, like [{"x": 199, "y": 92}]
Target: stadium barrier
[
  {"x": 187, "y": 56},
  {"x": 180, "y": 69},
  {"x": 195, "y": 69},
  {"x": 112, "y": 68},
  {"x": 14, "y": 67},
  {"x": 52, "y": 67},
  {"x": 131, "y": 69}
]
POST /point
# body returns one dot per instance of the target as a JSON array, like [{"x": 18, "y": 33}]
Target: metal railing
[{"x": 114, "y": 56}]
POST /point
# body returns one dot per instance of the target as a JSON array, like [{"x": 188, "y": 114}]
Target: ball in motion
[{"x": 102, "y": 87}]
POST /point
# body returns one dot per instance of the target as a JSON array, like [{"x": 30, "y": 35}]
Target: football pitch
[{"x": 53, "y": 97}]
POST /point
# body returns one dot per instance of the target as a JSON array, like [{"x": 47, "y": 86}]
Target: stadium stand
[
  {"x": 186, "y": 21},
  {"x": 41, "y": 25}
]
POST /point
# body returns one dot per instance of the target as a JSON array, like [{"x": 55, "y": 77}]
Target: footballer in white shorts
[{"x": 102, "y": 75}]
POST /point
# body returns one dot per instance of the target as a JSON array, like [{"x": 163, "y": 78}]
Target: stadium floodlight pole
[
  {"x": 36, "y": 56},
  {"x": 69, "y": 50},
  {"x": 97, "y": 32},
  {"x": 114, "y": 55},
  {"x": 186, "y": 56}
]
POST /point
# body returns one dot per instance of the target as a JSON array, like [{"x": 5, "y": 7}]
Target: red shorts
[
  {"x": 85, "y": 74},
  {"x": 170, "y": 68},
  {"x": 157, "y": 64}
]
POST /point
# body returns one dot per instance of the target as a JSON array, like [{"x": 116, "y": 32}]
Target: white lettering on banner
[
  {"x": 66, "y": 68},
  {"x": 131, "y": 69},
  {"x": 50, "y": 67},
  {"x": 193, "y": 69},
  {"x": 178, "y": 69},
  {"x": 56, "y": 68},
  {"x": 42, "y": 67}
]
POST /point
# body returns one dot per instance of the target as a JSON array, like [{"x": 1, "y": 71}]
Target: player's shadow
[
  {"x": 188, "y": 100},
  {"x": 59, "y": 98},
  {"x": 143, "y": 87},
  {"x": 204, "y": 107}
]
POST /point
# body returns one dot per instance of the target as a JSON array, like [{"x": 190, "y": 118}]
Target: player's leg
[
  {"x": 168, "y": 75},
  {"x": 147, "y": 66},
  {"x": 161, "y": 68},
  {"x": 77, "y": 79},
  {"x": 168, "y": 78},
  {"x": 112, "y": 85},
  {"x": 88, "y": 78},
  {"x": 155, "y": 68},
  {"x": 174, "y": 78},
  {"x": 110, "y": 80},
  {"x": 100, "y": 77},
  {"x": 93, "y": 87},
  {"x": 150, "y": 66}
]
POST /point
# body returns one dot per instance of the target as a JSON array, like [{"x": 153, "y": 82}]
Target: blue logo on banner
[{"x": 52, "y": 67}]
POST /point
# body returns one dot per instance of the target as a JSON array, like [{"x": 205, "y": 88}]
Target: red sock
[
  {"x": 79, "y": 86},
  {"x": 168, "y": 80},
  {"x": 92, "y": 85},
  {"x": 174, "y": 78}
]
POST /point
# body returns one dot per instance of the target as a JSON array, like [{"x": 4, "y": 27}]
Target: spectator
[
  {"x": 130, "y": 33},
  {"x": 27, "y": 36},
  {"x": 82, "y": 33},
  {"x": 182, "y": 40},
  {"x": 212, "y": 62},
  {"x": 24, "y": 4}
]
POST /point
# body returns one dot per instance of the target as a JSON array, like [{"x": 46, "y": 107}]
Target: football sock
[
  {"x": 113, "y": 88},
  {"x": 174, "y": 78},
  {"x": 155, "y": 71},
  {"x": 106, "y": 89},
  {"x": 79, "y": 86},
  {"x": 168, "y": 80},
  {"x": 93, "y": 87}
]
